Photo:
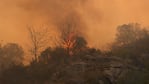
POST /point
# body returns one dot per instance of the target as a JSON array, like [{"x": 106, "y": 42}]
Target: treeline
[{"x": 73, "y": 62}]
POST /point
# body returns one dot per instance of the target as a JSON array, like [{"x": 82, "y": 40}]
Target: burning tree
[{"x": 70, "y": 35}]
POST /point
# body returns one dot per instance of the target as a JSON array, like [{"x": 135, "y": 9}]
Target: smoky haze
[{"x": 97, "y": 19}]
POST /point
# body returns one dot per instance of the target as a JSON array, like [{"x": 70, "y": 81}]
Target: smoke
[
  {"x": 51, "y": 11},
  {"x": 59, "y": 13},
  {"x": 92, "y": 17},
  {"x": 97, "y": 19}
]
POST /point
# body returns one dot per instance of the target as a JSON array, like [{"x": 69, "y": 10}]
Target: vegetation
[{"x": 73, "y": 62}]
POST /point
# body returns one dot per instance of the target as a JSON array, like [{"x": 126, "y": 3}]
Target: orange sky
[{"x": 101, "y": 16}]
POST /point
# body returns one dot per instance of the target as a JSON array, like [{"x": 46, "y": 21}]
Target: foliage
[
  {"x": 10, "y": 54},
  {"x": 76, "y": 63}
]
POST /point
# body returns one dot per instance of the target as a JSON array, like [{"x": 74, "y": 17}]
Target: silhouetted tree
[
  {"x": 11, "y": 53},
  {"x": 39, "y": 40},
  {"x": 70, "y": 32},
  {"x": 130, "y": 39},
  {"x": 128, "y": 33}
]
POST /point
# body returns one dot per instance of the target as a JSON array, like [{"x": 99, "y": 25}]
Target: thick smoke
[
  {"x": 99, "y": 18},
  {"x": 59, "y": 13},
  {"x": 53, "y": 11}
]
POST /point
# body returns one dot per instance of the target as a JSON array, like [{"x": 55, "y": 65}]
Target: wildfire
[{"x": 69, "y": 43}]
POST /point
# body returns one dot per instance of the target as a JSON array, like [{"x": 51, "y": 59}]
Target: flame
[{"x": 69, "y": 43}]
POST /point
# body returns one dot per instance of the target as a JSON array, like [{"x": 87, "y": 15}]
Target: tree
[
  {"x": 80, "y": 44},
  {"x": 56, "y": 55},
  {"x": 11, "y": 53},
  {"x": 70, "y": 35},
  {"x": 131, "y": 45},
  {"x": 39, "y": 40},
  {"x": 130, "y": 39},
  {"x": 128, "y": 33}
]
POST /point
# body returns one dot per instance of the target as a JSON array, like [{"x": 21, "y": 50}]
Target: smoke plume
[{"x": 97, "y": 19}]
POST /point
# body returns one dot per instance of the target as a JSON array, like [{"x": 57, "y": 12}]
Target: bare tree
[
  {"x": 39, "y": 40},
  {"x": 68, "y": 38}
]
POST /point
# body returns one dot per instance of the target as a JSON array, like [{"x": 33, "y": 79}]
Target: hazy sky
[{"x": 101, "y": 16}]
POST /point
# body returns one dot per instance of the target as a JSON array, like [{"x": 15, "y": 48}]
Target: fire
[{"x": 69, "y": 43}]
